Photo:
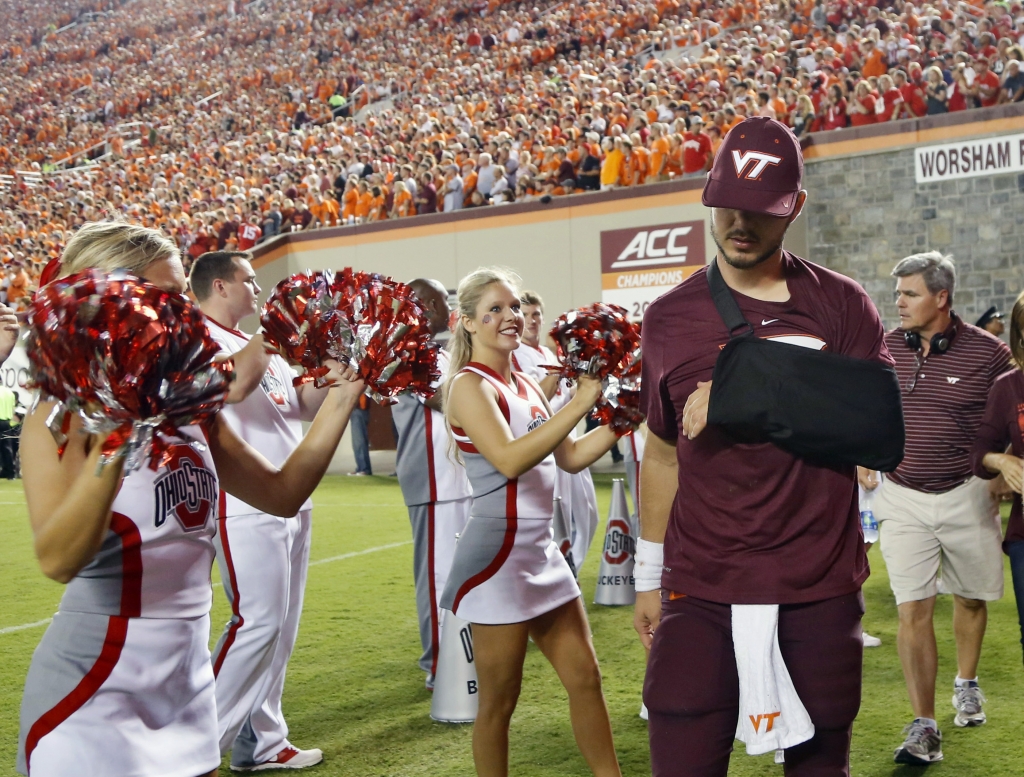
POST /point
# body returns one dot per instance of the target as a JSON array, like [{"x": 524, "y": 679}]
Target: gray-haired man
[{"x": 932, "y": 510}]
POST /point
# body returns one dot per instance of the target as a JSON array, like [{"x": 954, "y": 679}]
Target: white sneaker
[
  {"x": 922, "y": 746},
  {"x": 968, "y": 701},
  {"x": 940, "y": 587},
  {"x": 430, "y": 681},
  {"x": 287, "y": 757},
  {"x": 870, "y": 641},
  {"x": 643, "y": 711}
]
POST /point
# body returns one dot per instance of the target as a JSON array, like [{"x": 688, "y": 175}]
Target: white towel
[{"x": 772, "y": 717}]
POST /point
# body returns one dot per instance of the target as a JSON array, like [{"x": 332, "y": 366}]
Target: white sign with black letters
[
  {"x": 14, "y": 374},
  {"x": 969, "y": 158}
]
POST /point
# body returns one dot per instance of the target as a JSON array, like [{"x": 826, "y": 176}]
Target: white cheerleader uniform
[
  {"x": 121, "y": 683},
  {"x": 507, "y": 568},
  {"x": 576, "y": 490}
]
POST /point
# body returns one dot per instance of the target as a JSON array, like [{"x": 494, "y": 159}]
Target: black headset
[{"x": 938, "y": 344}]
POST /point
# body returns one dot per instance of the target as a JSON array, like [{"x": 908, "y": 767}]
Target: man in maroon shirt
[
  {"x": 426, "y": 198},
  {"x": 1003, "y": 427},
  {"x": 931, "y": 510},
  {"x": 728, "y": 524}
]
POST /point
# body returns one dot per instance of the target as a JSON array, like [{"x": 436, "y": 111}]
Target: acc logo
[
  {"x": 644, "y": 246},
  {"x": 537, "y": 418},
  {"x": 761, "y": 161},
  {"x": 188, "y": 490},
  {"x": 274, "y": 387},
  {"x": 618, "y": 542}
]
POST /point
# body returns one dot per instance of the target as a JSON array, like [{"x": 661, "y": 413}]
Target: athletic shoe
[
  {"x": 287, "y": 757},
  {"x": 940, "y": 587},
  {"x": 430, "y": 681},
  {"x": 870, "y": 641},
  {"x": 643, "y": 711},
  {"x": 922, "y": 746},
  {"x": 358, "y": 474},
  {"x": 967, "y": 701}
]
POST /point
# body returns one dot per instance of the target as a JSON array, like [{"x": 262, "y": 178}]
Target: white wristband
[{"x": 649, "y": 561}]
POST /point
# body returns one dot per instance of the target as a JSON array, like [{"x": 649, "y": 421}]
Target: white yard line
[
  {"x": 342, "y": 557},
  {"x": 359, "y": 553},
  {"x": 22, "y": 627},
  {"x": 374, "y": 505}
]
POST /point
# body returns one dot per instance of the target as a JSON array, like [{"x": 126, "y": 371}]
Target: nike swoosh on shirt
[{"x": 768, "y": 321}]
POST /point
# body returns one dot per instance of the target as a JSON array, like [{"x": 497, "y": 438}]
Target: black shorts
[{"x": 692, "y": 689}]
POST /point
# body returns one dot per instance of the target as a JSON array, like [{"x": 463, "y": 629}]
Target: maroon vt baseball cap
[{"x": 759, "y": 167}]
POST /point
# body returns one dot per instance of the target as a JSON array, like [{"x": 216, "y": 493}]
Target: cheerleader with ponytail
[{"x": 508, "y": 578}]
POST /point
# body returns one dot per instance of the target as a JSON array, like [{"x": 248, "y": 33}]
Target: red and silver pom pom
[
  {"x": 366, "y": 320},
  {"x": 301, "y": 321},
  {"x": 619, "y": 406},
  {"x": 388, "y": 335},
  {"x": 135, "y": 362},
  {"x": 601, "y": 341},
  {"x": 597, "y": 340}
]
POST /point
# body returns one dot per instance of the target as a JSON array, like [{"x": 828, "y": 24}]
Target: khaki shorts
[{"x": 960, "y": 528}]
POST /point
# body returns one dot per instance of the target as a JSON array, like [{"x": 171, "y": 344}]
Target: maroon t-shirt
[
  {"x": 1002, "y": 425},
  {"x": 753, "y": 524}
]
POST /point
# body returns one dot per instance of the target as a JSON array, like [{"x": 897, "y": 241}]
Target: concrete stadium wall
[
  {"x": 866, "y": 210},
  {"x": 864, "y": 213},
  {"x": 555, "y": 248}
]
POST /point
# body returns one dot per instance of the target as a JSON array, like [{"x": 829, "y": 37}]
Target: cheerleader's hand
[
  {"x": 344, "y": 377},
  {"x": 588, "y": 390}
]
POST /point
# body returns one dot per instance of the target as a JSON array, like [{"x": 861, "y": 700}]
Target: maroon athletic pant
[{"x": 692, "y": 690}]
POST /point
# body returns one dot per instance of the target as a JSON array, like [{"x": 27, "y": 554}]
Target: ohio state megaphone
[
  {"x": 563, "y": 533},
  {"x": 615, "y": 584},
  {"x": 456, "y": 695}
]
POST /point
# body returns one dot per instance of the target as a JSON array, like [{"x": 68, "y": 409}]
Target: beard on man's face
[{"x": 743, "y": 263}]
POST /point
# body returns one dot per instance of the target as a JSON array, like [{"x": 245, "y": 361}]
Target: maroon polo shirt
[
  {"x": 753, "y": 524},
  {"x": 1002, "y": 425},
  {"x": 943, "y": 410}
]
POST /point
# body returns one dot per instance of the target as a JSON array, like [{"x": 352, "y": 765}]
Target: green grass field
[{"x": 354, "y": 688}]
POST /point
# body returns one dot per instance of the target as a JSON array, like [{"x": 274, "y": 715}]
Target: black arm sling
[{"x": 827, "y": 408}]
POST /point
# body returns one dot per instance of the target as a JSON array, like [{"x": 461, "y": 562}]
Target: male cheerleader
[
  {"x": 434, "y": 485},
  {"x": 263, "y": 559},
  {"x": 579, "y": 500}
]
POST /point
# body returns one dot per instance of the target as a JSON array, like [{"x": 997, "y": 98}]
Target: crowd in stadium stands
[{"x": 226, "y": 124}]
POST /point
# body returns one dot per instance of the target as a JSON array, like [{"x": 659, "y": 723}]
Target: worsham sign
[{"x": 969, "y": 159}]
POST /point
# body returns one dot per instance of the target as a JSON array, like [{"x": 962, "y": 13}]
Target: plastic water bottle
[{"x": 867, "y": 515}]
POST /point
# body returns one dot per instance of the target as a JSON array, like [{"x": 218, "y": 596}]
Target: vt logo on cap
[
  {"x": 761, "y": 161},
  {"x": 759, "y": 168}
]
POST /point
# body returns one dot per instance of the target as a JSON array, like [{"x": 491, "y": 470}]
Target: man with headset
[{"x": 931, "y": 510}]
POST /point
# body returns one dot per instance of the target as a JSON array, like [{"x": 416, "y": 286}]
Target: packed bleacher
[{"x": 227, "y": 124}]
